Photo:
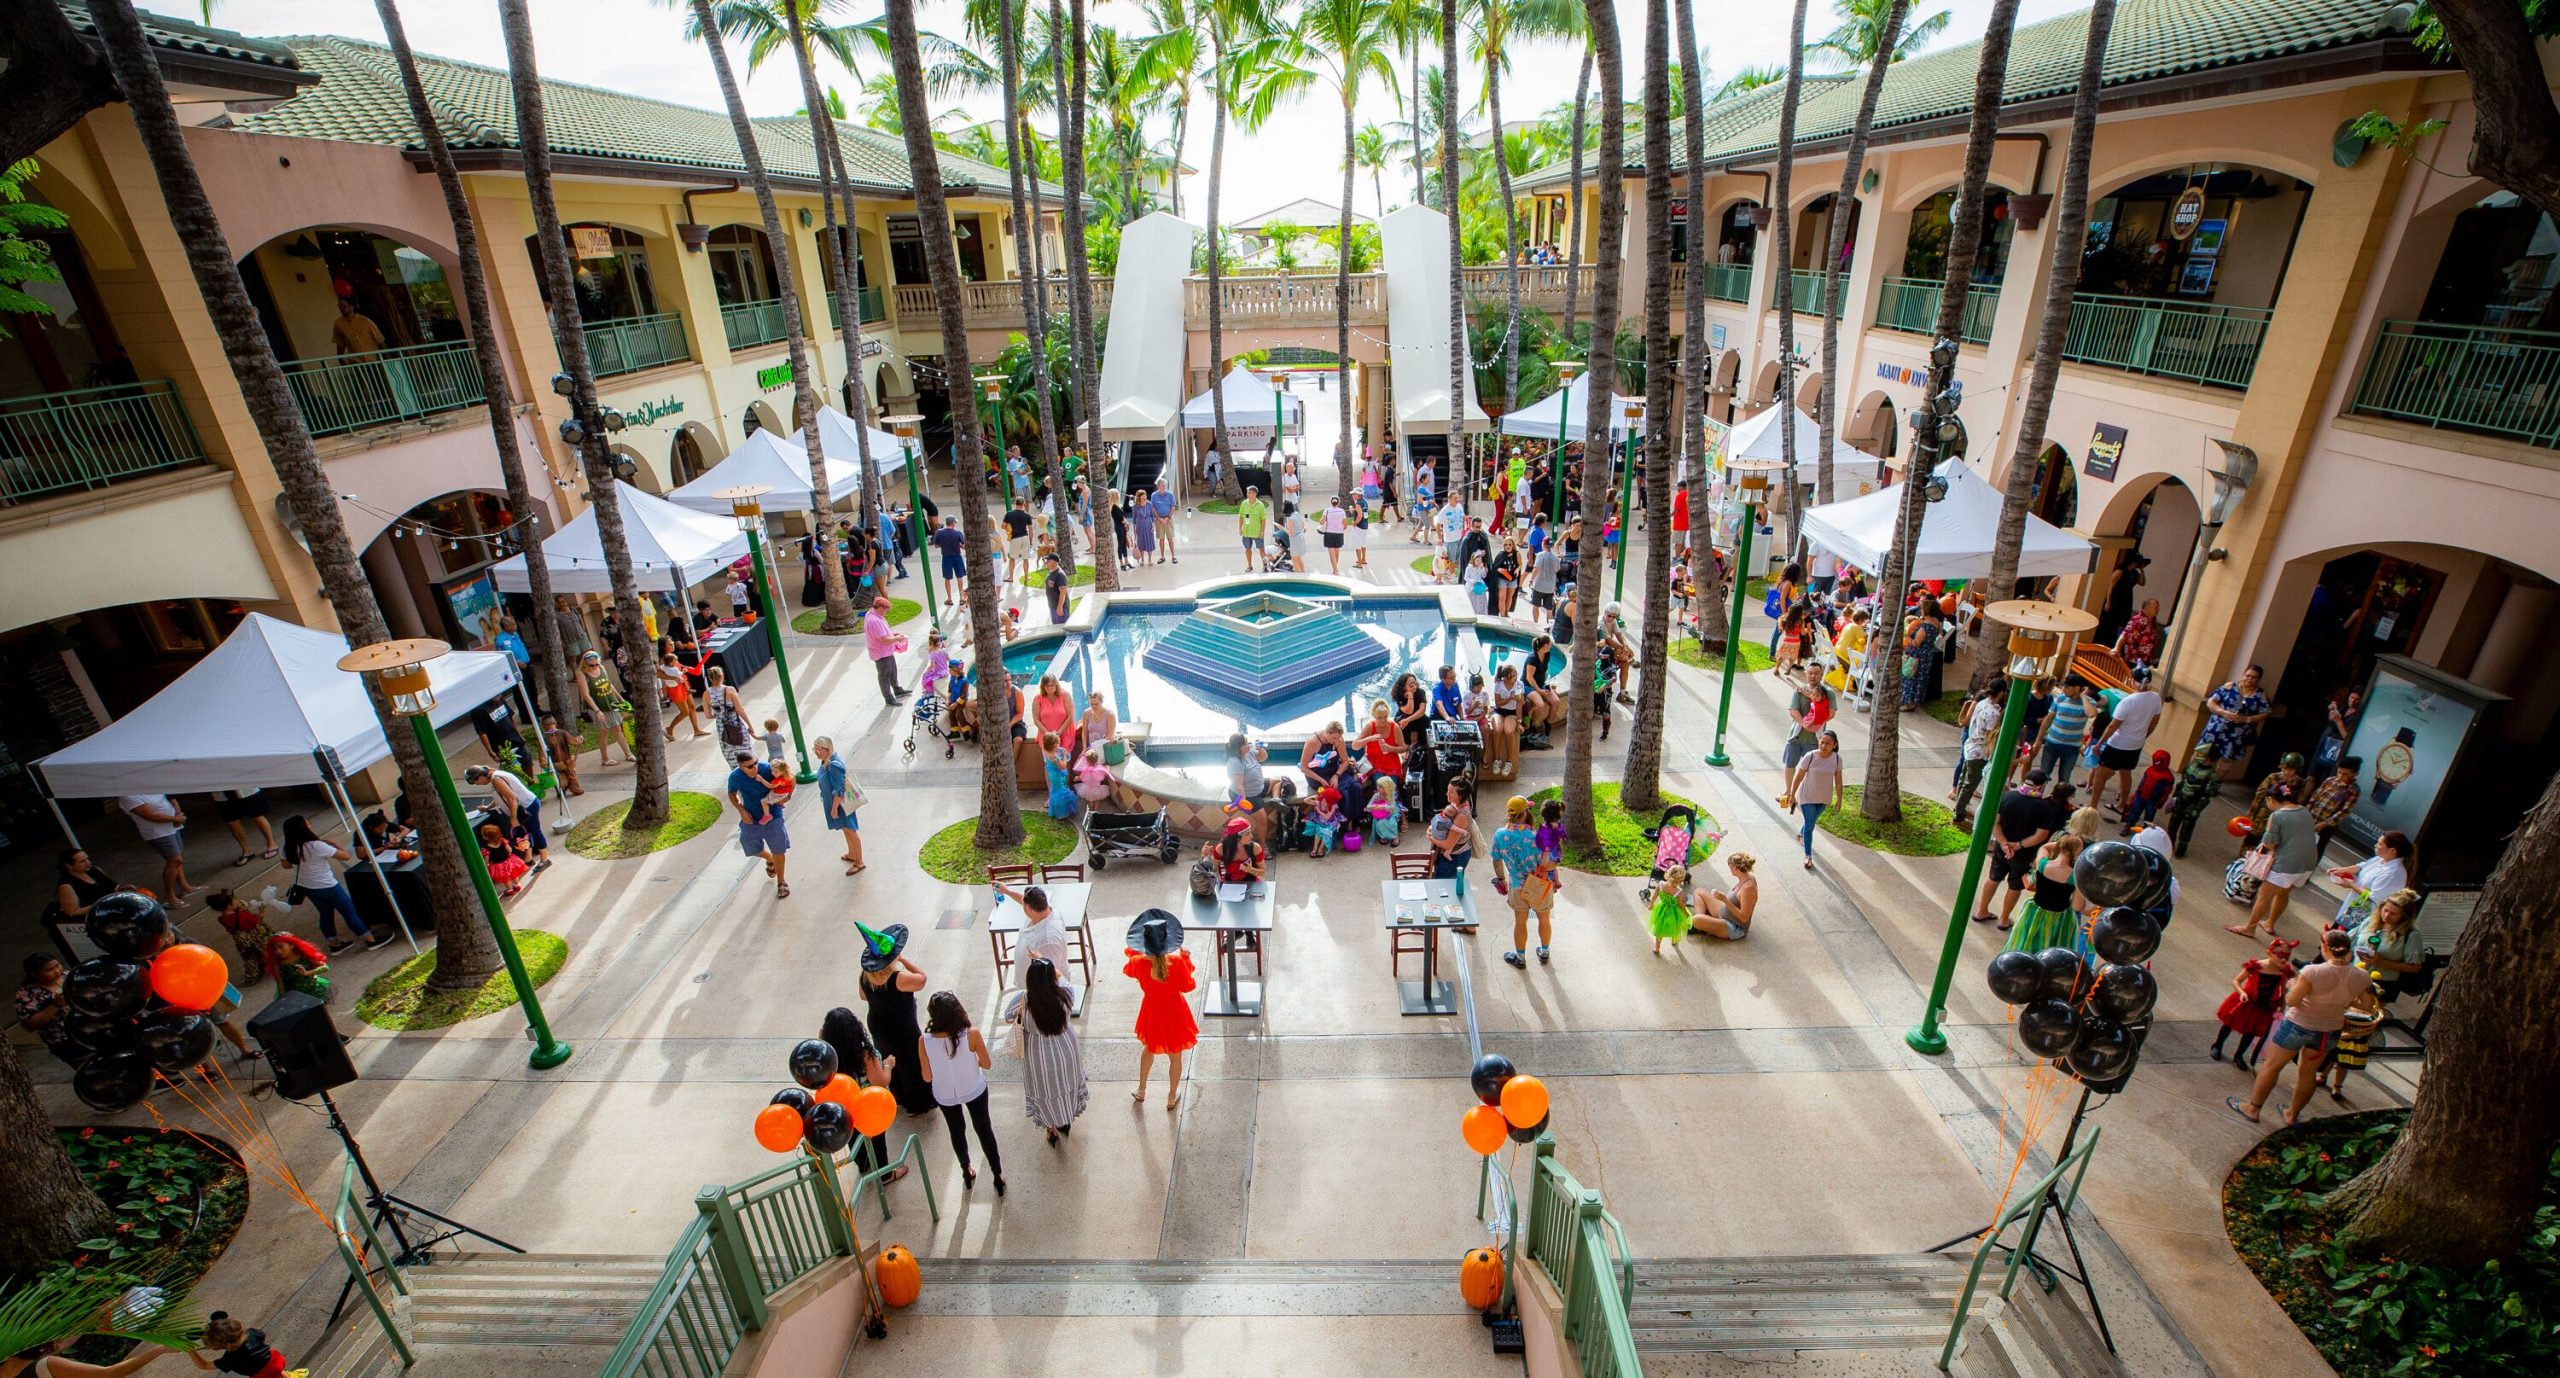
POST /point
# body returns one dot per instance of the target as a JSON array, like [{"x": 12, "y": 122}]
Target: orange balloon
[
  {"x": 778, "y": 1128},
  {"x": 190, "y": 976},
  {"x": 1483, "y": 1127},
  {"x": 839, "y": 1090},
  {"x": 873, "y": 1110},
  {"x": 1524, "y": 1101}
]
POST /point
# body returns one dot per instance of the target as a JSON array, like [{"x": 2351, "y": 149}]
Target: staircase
[
  {"x": 1146, "y": 464},
  {"x": 1189, "y": 1287},
  {"x": 541, "y": 1310},
  {"x": 2034, "y": 1334}
]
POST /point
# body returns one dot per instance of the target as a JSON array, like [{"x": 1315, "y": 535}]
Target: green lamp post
[
  {"x": 1750, "y": 479},
  {"x": 1626, "y": 503},
  {"x": 905, "y": 424},
  {"x": 746, "y": 503},
  {"x": 993, "y": 383},
  {"x": 2040, "y": 640},
  {"x": 400, "y": 668}
]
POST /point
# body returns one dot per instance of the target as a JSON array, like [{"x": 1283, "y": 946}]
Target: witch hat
[{"x": 881, "y": 946}]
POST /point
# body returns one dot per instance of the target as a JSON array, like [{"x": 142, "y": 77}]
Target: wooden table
[
  {"x": 1239, "y": 924},
  {"x": 1404, "y": 902},
  {"x": 1067, "y": 900}
]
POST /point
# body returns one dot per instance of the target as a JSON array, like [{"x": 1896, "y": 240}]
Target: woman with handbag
[
  {"x": 2287, "y": 852},
  {"x": 316, "y": 880},
  {"x": 843, "y": 802},
  {"x": 1053, "y": 1084},
  {"x": 1526, "y": 878}
]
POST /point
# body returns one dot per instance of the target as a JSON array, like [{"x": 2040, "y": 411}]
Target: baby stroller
[
  {"x": 927, "y": 718},
  {"x": 1130, "y": 834},
  {"x": 1674, "y": 844}
]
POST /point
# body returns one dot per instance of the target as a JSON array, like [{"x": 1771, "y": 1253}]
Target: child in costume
[
  {"x": 246, "y": 922},
  {"x": 2149, "y": 793},
  {"x": 506, "y": 860},
  {"x": 298, "y": 966},
  {"x": 2197, "y": 785},
  {"x": 1323, "y": 827},
  {"x": 1669, "y": 917},
  {"x": 2257, "y": 993},
  {"x": 2355, "y": 1044},
  {"x": 1386, "y": 811}
]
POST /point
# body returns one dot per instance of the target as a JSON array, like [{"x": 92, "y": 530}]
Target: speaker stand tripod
[
  {"x": 387, "y": 1210},
  {"x": 2046, "y": 1270}
]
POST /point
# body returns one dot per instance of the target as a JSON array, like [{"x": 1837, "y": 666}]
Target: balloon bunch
[
  {"x": 2091, "y": 1017},
  {"x": 826, "y": 1109},
  {"x": 109, "y": 996},
  {"x": 1514, "y": 1105}
]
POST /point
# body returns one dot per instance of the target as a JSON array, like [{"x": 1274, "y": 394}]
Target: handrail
[
  {"x": 353, "y": 392},
  {"x": 2195, "y": 342},
  {"x": 2032, "y": 1207},
  {"x": 1910, "y": 304},
  {"x": 351, "y": 1203},
  {"x": 1566, "y": 1238},
  {"x": 59, "y": 442},
  {"x": 1727, "y": 281},
  {"x": 1810, "y": 290},
  {"x": 2484, "y": 378},
  {"x": 632, "y": 343},
  {"x": 748, "y": 324}
]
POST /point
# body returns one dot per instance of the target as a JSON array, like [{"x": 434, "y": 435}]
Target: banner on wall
[{"x": 2106, "y": 450}]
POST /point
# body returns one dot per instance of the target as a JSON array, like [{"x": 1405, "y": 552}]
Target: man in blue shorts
[
  {"x": 955, "y": 563},
  {"x": 761, "y": 832},
  {"x": 1162, "y": 502}
]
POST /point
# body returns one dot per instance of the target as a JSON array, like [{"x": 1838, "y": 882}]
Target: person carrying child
[
  {"x": 246, "y": 922},
  {"x": 2355, "y": 1044},
  {"x": 2257, "y": 993},
  {"x": 237, "y": 1348}
]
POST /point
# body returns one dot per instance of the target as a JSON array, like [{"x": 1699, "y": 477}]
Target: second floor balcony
[
  {"x": 1911, "y": 304},
  {"x": 872, "y": 302},
  {"x": 2193, "y": 342},
  {"x": 748, "y": 324},
  {"x": 350, "y": 392},
  {"x": 636, "y": 342},
  {"x": 68, "y": 442},
  {"x": 994, "y": 305},
  {"x": 2481, "y": 378},
  {"x": 1811, "y": 296},
  {"x": 1541, "y": 285},
  {"x": 1725, "y": 281}
]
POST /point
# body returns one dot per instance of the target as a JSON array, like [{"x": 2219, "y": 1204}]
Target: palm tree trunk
[
  {"x": 1581, "y": 825},
  {"x": 1035, "y": 283},
  {"x": 832, "y": 182},
  {"x": 1458, "y": 359},
  {"x": 2053, "y": 328},
  {"x": 1181, "y": 130},
  {"x": 1071, "y": 167},
  {"x": 1882, "y": 801},
  {"x": 1510, "y": 238},
  {"x": 1342, "y": 446},
  {"x": 1573, "y": 209},
  {"x": 466, "y": 954},
  {"x": 804, "y": 392},
  {"x": 45, "y": 1207},
  {"x": 1693, "y": 351},
  {"x": 1640, "y": 781},
  {"x": 1828, "y": 421},
  {"x": 1413, "y": 72},
  {"x": 1781, "y": 274},
  {"x": 1230, "y": 487},
  {"x": 553, "y": 656},
  {"x": 1088, "y": 361},
  {"x": 595, "y": 456},
  {"x": 999, "y": 800}
]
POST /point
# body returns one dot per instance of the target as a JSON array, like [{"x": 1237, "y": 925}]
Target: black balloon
[
  {"x": 827, "y": 1126},
  {"x": 1491, "y": 1071},
  {"x": 2016, "y": 977},
  {"x": 2048, "y": 1027},
  {"x": 108, "y": 987},
  {"x": 127, "y": 924},
  {"x": 796, "y": 1098},
  {"x": 2066, "y": 977},
  {"x": 1522, "y": 1135},
  {"x": 813, "y": 1060},
  {"x": 2111, "y": 873},
  {"x": 2155, "y": 890},
  {"x": 2124, "y": 993},
  {"x": 2125, "y": 934},
  {"x": 90, "y": 1031},
  {"x": 2102, "y": 1051},
  {"x": 113, "y": 1081},
  {"x": 174, "y": 1040}
]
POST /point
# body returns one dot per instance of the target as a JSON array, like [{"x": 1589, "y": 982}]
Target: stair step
[
  {"x": 1908, "y": 1284},
  {"x": 521, "y": 1290},
  {"x": 602, "y": 1334},
  {"x": 1846, "y": 1336}
]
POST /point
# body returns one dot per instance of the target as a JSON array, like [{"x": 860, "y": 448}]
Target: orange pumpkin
[
  {"x": 1479, "y": 1278},
  {"x": 899, "y": 1278}
]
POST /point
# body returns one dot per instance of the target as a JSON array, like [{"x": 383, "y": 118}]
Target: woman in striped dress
[{"x": 1053, "y": 1087}]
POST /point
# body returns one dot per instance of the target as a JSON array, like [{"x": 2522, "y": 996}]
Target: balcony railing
[
  {"x": 636, "y": 342},
  {"x": 989, "y": 305},
  {"x": 1541, "y": 286},
  {"x": 1308, "y": 299},
  {"x": 1808, "y": 289},
  {"x": 1727, "y": 281},
  {"x": 1911, "y": 304},
  {"x": 2466, "y": 378},
  {"x": 752, "y": 323},
  {"x": 350, "y": 392},
  {"x": 2213, "y": 345},
  {"x": 871, "y": 300},
  {"x": 65, "y": 442}
]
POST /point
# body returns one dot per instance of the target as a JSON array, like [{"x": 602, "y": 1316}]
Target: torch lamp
[
  {"x": 993, "y": 384},
  {"x": 2041, "y": 639},
  {"x": 904, "y": 425},
  {"x": 746, "y": 503},
  {"x": 1633, "y": 417},
  {"x": 1751, "y": 479},
  {"x": 399, "y": 668}
]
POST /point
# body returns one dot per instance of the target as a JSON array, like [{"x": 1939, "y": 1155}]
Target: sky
[{"x": 638, "y": 46}]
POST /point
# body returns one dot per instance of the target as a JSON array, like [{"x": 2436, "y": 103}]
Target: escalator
[
  {"x": 1141, "y": 464},
  {"x": 1432, "y": 452}
]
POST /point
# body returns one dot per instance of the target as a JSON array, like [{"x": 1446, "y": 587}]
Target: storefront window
[
  {"x": 2499, "y": 267},
  {"x": 1924, "y": 252},
  {"x": 741, "y": 271}
]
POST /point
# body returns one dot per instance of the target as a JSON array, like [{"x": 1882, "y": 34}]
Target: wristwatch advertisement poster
[{"x": 2409, "y": 736}]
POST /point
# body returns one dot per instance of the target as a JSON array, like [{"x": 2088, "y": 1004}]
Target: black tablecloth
[
  {"x": 408, "y": 882},
  {"x": 741, "y": 652}
]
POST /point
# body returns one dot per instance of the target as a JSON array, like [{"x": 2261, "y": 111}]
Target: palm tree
[
  {"x": 1573, "y": 205},
  {"x": 1236, "y": 54},
  {"x": 1869, "y": 29},
  {"x": 466, "y": 953},
  {"x": 2062, "y": 288},
  {"x": 1369, "y": 151},
  {"x": 1581, "y": 824},
  {"x": 547, "y": 641},
  {"x": 1693, "y": 351},
  {"x": 999, "y": 802},
  {"x": 1411, "y": 23},
  {"x": 595, "y": 456},
  {"x": 841, "y": 617},
  {"x": 1074, "y": 58},
  {"x": 1640, "y": 781},
  {"x": 1882, "y": 801},
  {"x": 1781, "y": 272},
  {"x": 1457, "y": 271},
  {"x": 1168, "y": 60},
  {"x": 1842, "y": 202},
  {"x": 1751, "y": 79},
  {"x": 1035, "y": 286}
]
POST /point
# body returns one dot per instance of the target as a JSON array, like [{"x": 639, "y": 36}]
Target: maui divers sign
[{"x": 1918, "y": 378}]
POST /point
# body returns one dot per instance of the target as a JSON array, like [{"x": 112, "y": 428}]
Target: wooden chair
[
  {"x": 1409, "y": 865},
  {"x": 1052, "y": 875},
  {"x": 1016, "y": 876},
  {"x": 1402, "y": 942}
]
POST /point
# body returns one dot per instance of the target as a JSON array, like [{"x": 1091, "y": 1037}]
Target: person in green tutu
[
  {"x": 2052, "y": 914},
  {"x": 1669, "y": 917}
]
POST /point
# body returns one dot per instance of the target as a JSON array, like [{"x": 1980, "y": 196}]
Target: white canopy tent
[
  {"x": 1956, "y": 532},
  {"x": 836, "y": 442},
  {"x": 1570, "y": 405},
  {"x": 670, "y": 545},
  {"x": 1759, "y": 437},
  {"x": 774, "y": 462},
  {"x": 1249, "y": 403}
]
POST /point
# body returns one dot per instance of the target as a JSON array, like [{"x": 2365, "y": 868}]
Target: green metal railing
[
  {"x": 2032, "y": 1206},
  {"x": 1807, "y": 286},
  {"x": 359, "y": 1241},
  {"x": 2481, "y": 378},
  {"x": 873, "y": 302},
  {"x": 1911, "y": 304},
  {"x": 1724, "y": 281},
  {"x": 752, "y": 323},
  {"x": 636, "y": 342},
  {"x": 1577, "y": 1241},
  {"x": 748, "y": 1242},
  {"x": 63, "y": 442},
  {"x": 349, "y": 392},
  {"x": 2213, "y": 345}
]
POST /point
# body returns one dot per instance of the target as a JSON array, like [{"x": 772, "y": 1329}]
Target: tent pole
[
  {"x": 56, "y": 810},
  {"x": 542, "y": 750},
  {"x": 345, "y": 807}
]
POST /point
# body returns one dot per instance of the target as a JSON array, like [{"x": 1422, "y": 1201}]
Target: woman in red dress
[{"x": 1166, "y": 1024}]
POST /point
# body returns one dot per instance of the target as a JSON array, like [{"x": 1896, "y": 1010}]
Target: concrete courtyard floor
[{"x": 1727, "y": 1099}]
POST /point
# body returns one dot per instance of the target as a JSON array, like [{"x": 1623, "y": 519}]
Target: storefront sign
[
  {"x": 651, "y": 413},
  {"x": 2187, "y": 214},
  {"x": 1919, "y": 378},
  {"x": 872, "y": 348},
  {"x": 591, "y": 241},
  {"x": 767, "y": 379},
  {"x": 2106, "y": 448},
  {"x": 1715, "y": 338}
]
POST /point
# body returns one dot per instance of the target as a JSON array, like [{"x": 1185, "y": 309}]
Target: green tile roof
[
  {"x": 359, "y": 99},
  {"x": 2152, "y": 40},
  {"x": 178, "y": 35},
  {"x": 1725, "y": 119}
]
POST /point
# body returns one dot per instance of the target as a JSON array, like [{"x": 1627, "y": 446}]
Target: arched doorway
[
  {"x": 1720, "y": 398},
  {"x": 688, "y": 457},
  {"x": 1737, "y": 233},
  {"x": 1813, "y": 233},
  {"x": 429, "y": 568},
  {"x": 1809, "y": 392},
  {"x": 1924, "y": 248},
  {"x": 760, "y": 417},
  {"x": 2056, "y": 494},
  {"x": 614, "y": 281},
  {"x": 1764, "y": 387},
  {"x": 2160, "y": 532}
]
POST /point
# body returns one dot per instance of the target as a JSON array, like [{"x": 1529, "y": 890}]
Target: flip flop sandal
[
  {"x": 781, "y": 892},
  {"x": 2240, "y": 1108}
]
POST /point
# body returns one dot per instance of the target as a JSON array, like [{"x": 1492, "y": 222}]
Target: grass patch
[
  {"x": 1422, "y": 564},
  {"x": 808, "y": 621},
  {"x": 2380, "y": 1317},
  {"x": 1219, "y": 506},
  {"x": 600, "y": 836},
  {"x": 1944, "y": 707},
  {"x": 952, "y": 854},
  {"x": 1926, "y": 829},
  {"x": 1624, "y": 849},
  {"x": 1690, "y": 651},
  {"x": 399, "y": 998},
  {"x": 174, "y": 1203},
  {"x": 1038, "y": 578}
]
